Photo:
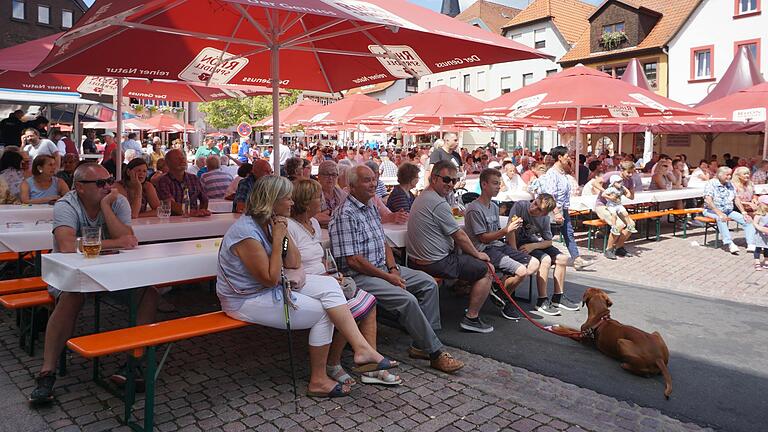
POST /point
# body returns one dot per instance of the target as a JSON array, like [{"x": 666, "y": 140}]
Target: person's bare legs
[
  {"x": 561, "y": 262},
  {"x": 619, "y": 240},
  {"x": 541, "y": 277},
  {"x": 345, "y": 324},
  {"x": 61, "y": 326},
  {"x": 318, "y": 380},
  {"x": 478, "y": 294},
  {"x": 147, "y": 309}
]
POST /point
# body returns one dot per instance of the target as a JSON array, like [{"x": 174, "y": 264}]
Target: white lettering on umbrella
[
  {"x": 398, "y": 113},
  {"x": 267, "y": 81},
  {"x": 407, "y": 64},
  {"x": 318, "y": 117},
  {"x": 98, "y": 85},
  {"x": 372, "y": 13},
  {"x": 528, "y": 102},
  {"x": 750, "y": 115},
  {"x": 365, "y": 79},
  {"x": 207, "y": 65},
  {"x": 457, "y": 61},
  {"x": 622, "y": 111},
  {"x": 645, "y": 100}
]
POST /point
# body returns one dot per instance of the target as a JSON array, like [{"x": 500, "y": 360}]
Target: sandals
[
  {"x": 381, "y": 377},
  {"x": 338, "y": 374},
  {"x": 384, "y": 364},
  {"x": 337, "y": 391}
]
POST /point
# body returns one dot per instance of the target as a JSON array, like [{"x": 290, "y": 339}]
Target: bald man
[{"x": 260, "y": 169}]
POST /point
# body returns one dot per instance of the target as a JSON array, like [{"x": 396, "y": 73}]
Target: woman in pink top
[{"x": 745, "y": 190}]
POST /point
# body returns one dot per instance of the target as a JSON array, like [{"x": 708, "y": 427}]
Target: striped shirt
[
  {"x": 216, "y": 183},
  {"x": 356, "y": 229},
  {"x": 557, "y": 184}
]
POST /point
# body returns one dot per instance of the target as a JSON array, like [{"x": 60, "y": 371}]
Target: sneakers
[
  {"x": 622, "y": 252},
  {"x": 732, "y": 248},
  {"x": 497, "y": 296},
  {"x": 510, "y": 312},
  {"x": 475, "y": 325},
  {"x": 632, "y": 229},
  {"x": 615, "y": 230},
  {"x": 580, "y": 263},
  {"x": 610, "y": 254},
  {"x": 43, "y": 393},
  {"x": 446, "y": 363},
  {"x": 566, "y": 303},
  {"x": 547, "y": 308}
]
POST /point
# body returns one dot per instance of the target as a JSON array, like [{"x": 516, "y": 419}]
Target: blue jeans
[
  {"x": 567, "y": 231},
  {"x": 749, "y": 229}
]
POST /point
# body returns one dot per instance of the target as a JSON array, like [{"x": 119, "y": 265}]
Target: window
[
  {"x": 19, "y": 9},
  {"x": 527, "y": 79},
  {"x": 551, "y": 72},
  {"x": 746, "y": 7},
  {"x": 753, "y": 46},
  {"x": 466, "y": 83},
  {"x": 506, "y": 85},
  {"x": 619, "y": 71},
  {"x": 517, "y": 36},
  {"x": 411, "y": 85},
  {"x": 538, "y": 39},
  {"x": 428, "y": 84},
  {"x": 440, "y": 82},
  {"x": 43, "y": 14},
  {"x": 611, "y": 28},
  {"x": 481, "y": 81},
  {"x": 66, "y": 19},
  {"x": 650, "y": 74},
  {"x": 702, "y": 63},
  {"x": 453, "y": 82}
]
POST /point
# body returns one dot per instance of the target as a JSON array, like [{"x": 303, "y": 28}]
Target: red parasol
[
  {"x": 294, "y": 114},
  {"x": 341, "y": 112}
]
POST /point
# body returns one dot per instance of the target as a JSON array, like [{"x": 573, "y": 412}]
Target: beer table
[{"x": 11, "y": 213}]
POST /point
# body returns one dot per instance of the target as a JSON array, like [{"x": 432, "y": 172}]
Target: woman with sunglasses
[
  {"x": 141, "y": 193},
  {"x": 43, "y": 187}
]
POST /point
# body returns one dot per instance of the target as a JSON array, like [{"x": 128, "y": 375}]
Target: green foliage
[
  {"x": 226, "y": 113},
  {"x": 612, "y": 40}
]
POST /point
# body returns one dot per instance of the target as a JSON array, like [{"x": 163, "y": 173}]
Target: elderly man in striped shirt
[{"x": 215, "y": 180}]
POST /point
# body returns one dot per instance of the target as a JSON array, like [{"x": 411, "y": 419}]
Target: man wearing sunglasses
[
  {"x": 92, "y": 203},
  {"x": 433, "y": 238}
]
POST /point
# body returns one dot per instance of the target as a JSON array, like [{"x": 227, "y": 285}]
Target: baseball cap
[
  {"x": 494, "y": 164},
  {"x": 112, "y": 134},
  {"x": 615, "y": 178}
]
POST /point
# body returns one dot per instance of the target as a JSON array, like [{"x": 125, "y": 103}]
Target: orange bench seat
[
  {"x": 26, "y": 300},
  {"x": 15, "y": 286}
]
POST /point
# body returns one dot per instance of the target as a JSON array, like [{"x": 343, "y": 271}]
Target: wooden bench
[
  {"x": 684, "y": 215},
  {"x": 709, "y": 223},
  {"x": 145, "y": 338},
  {"x": 15, "y": 286},
  {"x": 594, "y": 224},
  {"x": 27, "y": 301}
]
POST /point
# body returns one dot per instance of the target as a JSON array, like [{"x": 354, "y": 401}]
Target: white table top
[
  {"x": 32, "y": 237},
  {"x": 146, "y": 265},
  {"x": 10, "y": 213},
  {"x": 654, "y": 196},
  {"x": 761, "y": 189},
  {"x": 220, "y": 206}
]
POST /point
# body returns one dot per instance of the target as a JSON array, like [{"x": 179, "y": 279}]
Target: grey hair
[
  {"x": 723, "y": 169},
  {"x": 266, "y": 191},
  {"x": 354, "y": 173},
  {"x": 372, "y": 165},
  {"x": 326, "y": 166}
]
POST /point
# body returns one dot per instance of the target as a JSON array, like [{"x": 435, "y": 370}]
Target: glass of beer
[
  {"x": 164, "y": 210},
  {"x": 91, "y": 241}
]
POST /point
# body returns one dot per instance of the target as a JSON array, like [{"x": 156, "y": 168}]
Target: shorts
[
  {"x": 455, "y": 266},
  {"x": 550, "y": 251},
  {"x": 361, "y": 304},
  {"x": 518, "y": 258}
]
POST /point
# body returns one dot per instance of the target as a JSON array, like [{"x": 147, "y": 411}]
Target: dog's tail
[{"x": 667, "y": 377}]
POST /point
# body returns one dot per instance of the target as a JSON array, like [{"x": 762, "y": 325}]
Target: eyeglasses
[
  {"x": 329, "y": 174},
  {"x": 100, "y": 183},
  {"x": 448, "y": 179}
]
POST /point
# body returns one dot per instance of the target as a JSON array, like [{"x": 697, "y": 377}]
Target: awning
[{"x": 43, "y": 97}]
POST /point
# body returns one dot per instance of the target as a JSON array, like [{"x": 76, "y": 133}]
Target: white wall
[{"x": 713, "y": 24}]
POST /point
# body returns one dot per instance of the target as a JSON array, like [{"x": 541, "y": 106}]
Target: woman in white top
[
  {"x": 700, "y": 175},
  {"x": 305, "y": 230}
]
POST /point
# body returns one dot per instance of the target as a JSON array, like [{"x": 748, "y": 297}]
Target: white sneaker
[
  {"x": 750, "y": 248},
  {"x": 732, "y": 248}
]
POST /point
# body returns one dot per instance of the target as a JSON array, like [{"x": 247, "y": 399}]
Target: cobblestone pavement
[
  {"x": 685, "y": 265},
  {"x": 240, "y": 380}
]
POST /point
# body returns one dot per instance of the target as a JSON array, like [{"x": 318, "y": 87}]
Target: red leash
[{"x": 570, "y": 334}]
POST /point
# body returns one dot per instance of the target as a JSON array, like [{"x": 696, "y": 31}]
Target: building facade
[{"x": 26, "y": 20}]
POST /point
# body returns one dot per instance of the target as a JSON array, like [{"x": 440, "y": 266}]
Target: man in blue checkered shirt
[{"x": 358, "y": 243}]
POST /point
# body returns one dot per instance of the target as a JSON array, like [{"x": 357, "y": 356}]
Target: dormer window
[{"x": 613, "y": 28}]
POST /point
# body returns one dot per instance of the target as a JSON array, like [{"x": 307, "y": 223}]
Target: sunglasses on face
[
  {"x": 448, "y": 179},
  {"x": 100, "y": 183}
]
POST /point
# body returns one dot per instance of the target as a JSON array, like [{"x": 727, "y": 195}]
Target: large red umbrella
[
  {"x": 581, "y": 93},
  {"x": 325, "y": 45},
  {"x": 18, "y": 60},
  {"x": 341, "y": 112},
  {"x": 301, "y": 111},
  {"x": 169, "y": 123},
  {"x": 745, "y": 106}
]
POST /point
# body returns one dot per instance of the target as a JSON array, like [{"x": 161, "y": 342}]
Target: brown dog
[{"x": 641, "y": 353}]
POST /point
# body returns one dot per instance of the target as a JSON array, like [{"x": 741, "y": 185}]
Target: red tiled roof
[
  {"x": 569, "y": 16},
  {"x": 494, "y": 15}
]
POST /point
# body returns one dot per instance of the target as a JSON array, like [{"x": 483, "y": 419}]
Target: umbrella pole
[
  {"x": 620, "y": 136},
  {"x": 765, "y": 141},
  {"x": 119, "y": 132},
  {"x": 276, "y": 108},
  {"x": 578, "y": 136}
]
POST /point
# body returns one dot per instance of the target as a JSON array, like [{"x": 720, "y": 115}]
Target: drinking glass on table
[
  {"x": 164, "y": 210},
  {"x": 90, "y": 242}
]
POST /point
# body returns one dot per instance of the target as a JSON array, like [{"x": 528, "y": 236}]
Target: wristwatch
[{"x": 397, "y": 267}]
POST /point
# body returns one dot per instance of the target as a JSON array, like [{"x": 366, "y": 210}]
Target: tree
[{"x": 226, "y": 113}]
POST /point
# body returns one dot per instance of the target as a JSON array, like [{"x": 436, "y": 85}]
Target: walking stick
[{"x": 286, "y": 303}]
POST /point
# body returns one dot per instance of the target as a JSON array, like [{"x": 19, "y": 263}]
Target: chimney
[{"x": 450, "y": 8}]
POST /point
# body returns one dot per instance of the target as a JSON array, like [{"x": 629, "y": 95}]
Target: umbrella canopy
[
  {"x": 741, "y": 74},
  {"x": 747, "y": 106},
  {"x": 635, "y": 75},
  {"x": 17, "y": 60},
  {"x": 301, "y": 111},
  {"x": 341, "y": 112},
  {"x": 325, "y": 45},
  {"x": 165, "y": 122},
  {"x": 440, "y": 105},
  {"x": 130, "y": 124}
]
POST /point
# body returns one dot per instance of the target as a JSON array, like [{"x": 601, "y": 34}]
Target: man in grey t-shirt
[
  {"x": 432, "y": 235},
  {"x": 93, "y": 202},
  {"x": 483, "y": 228}
]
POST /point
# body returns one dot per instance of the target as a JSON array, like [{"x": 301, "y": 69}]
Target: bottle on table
[{"x": 186, "y": 201}]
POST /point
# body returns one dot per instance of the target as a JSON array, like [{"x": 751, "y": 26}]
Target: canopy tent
[
  {"x": 342, "y": 111},
  {"x": 301, "y": 111},
  {"x": 327, "y": 45},
  {"x": 43, "y": 97},
  {"x": 741, "y": 74},
  {"x": 165, "y": 122},
  {"x": 634, "y": 74},
  {"x": 129, "y": 124}
]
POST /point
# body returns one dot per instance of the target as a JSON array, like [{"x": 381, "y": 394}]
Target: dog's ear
[{"x": 608, "y": 301}]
